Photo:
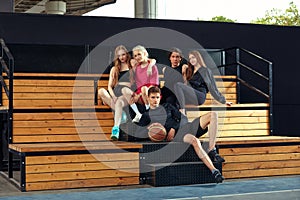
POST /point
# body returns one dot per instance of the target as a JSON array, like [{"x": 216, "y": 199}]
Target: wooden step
[{"x": 73, "y": 146}]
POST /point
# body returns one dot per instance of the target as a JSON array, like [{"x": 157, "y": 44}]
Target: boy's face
[{"x": 154, "y": 100}]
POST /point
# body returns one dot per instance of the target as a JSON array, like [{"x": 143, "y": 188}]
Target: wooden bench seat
[
  {"x": 73, "y": 146},
  {"x": 260, "y": 156}
]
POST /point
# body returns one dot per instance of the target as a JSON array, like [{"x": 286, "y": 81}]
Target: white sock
[{"x": 135, "y": 109}]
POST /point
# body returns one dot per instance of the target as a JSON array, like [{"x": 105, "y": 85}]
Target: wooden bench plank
[
  {"x": 260, "y": 150},
  {"x": 256, "y": 140},
  {"x": 262, "y": 172},
  {"x": 30, "y": 131},
  {"x": 260, "y": 165},
  {"x": 81, "y": 158},
  {"x": 64, "y": 176},
  {"x": 47, "y": 147},
  {"x": 73, "y": 167},
  {"x": 82, "y": 183},
  {"x": 62, "y": 115}
]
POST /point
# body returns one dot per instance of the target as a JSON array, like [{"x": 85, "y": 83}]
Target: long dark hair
[{"x": 191, "y": 68}]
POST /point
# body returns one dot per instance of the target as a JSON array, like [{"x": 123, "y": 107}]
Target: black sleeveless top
[{"x": 124, "y": 76}]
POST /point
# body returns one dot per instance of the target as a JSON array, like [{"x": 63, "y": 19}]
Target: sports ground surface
[{"x": 274, "y": 188}]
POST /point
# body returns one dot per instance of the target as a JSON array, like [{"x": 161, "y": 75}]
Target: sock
[
  {"x": 147, "y": 106},
  {"x": 135, "y": 109},
  {"x": 214, "y": 170}
]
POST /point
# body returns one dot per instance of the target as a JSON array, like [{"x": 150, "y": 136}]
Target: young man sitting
[{"x": 179, "y": 129}]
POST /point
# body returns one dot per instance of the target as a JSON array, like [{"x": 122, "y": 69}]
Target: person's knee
[
  {"x": 144, "y": 90},
  {"x": 101, "y": 91},
  {"x": 214, "y": 115},
  {"x": 119, "y": 103}
]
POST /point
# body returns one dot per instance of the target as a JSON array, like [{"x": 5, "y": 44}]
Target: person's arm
[
  {"x": 110, "y": 84},
  {"x": 145, "y": 119},
  {"x": 184, "y": 68},
  {"x": 212, "y": 87},
  {"x": 154, "y": 79}
]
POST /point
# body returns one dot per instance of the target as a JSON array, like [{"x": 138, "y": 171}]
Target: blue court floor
[{"x": 275, "y": 188}]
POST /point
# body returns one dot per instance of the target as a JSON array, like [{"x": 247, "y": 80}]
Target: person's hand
[
  {"x": 135, "y": 97},
  {"x": 228, "y": 103},
  {"x": 171, "y": 135}
]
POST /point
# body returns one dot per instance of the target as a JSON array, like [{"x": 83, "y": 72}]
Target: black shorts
[
  {"x": 193, "y": 128},
  {"x": 118, "y": 90}
]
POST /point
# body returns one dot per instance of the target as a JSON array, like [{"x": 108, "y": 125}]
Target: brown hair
[
  {"x": 190, "y": 69},
  {"x": 117, "y": 64},
  {"x": 153, "y": 89},
  {"x": 175, "y": 50}
]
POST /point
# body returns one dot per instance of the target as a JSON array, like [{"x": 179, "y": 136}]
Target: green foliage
[
  {"x": 221, "y": 19},
  {"x": 289, "y": 17}
]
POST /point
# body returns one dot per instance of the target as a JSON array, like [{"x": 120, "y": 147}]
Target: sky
[{"x": 243, "y": 11}]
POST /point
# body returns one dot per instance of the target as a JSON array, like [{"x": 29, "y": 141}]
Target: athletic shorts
[
  {"x": 193, "y": 128},
  {"x": 118, "y": 90}
]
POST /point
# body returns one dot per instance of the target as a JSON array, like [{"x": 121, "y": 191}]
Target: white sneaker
[{"x": 137, "y": 118}]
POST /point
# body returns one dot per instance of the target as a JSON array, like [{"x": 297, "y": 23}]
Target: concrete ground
[{"x": 271, "y": 188}]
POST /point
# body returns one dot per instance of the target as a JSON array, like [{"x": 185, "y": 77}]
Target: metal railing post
[
  {"x": 237, "y": 59},
  {"x": 271, "y": 98}
]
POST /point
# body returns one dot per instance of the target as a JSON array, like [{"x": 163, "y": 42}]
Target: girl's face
[
  {"x": 193, "y": 60},
  {"x": 139, "y": 56},
  {"x": 122, "y": 56},
  {"x": 175, "y": 59}
]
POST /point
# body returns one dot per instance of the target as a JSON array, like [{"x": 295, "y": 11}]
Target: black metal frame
[
  {"x": 237, "y": 51},
  {"x": 7, "y": 68}
]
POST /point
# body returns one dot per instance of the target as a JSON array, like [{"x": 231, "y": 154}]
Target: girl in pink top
[{"x": 146, "y": 75}]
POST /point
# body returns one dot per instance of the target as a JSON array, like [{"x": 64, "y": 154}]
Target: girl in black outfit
[{"x": 200, "y": 80}]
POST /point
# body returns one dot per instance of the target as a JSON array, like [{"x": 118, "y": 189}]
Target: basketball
[{"x": 157, "y": 132}]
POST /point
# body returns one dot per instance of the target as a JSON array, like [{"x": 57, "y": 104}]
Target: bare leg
[
  {"x": 106, "y": 98},
  {"x": 120, "y": 104},
  {"x": 127, "y": 94},
  {"x": 189, "y": 138},
  {"x": 210, "y": 119},
  {"x": 195, "y": 142},
  {"x": 144, "y": 90}
]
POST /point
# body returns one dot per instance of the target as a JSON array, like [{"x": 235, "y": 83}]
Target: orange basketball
[{"x": 157, "y": 132}]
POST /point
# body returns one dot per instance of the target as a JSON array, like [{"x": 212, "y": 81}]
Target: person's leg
[
  {"x": 127, "y": 94},
  {"x": 120, "y": 104},
  {"x": 144, "y": 90},
  {"x": 211, "y": 119},
  {"x": 186, "y": 94},
  {"x": 195, "y": 142},
  {"x": 106, "y": 98}
]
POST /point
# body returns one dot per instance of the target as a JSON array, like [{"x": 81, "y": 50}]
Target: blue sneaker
[
  {"x": 123, "y": 118},
  {"x": 115, "y": 133}
]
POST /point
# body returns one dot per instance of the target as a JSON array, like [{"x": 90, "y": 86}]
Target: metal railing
[
  {"x": 7, "y": 70},
  {"x": 236, "y": 55}
]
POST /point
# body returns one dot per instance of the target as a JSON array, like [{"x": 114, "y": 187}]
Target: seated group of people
[{"x": 136, "y": 82}]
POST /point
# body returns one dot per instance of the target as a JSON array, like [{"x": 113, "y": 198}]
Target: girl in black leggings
[{"x": 200, "y": 80}]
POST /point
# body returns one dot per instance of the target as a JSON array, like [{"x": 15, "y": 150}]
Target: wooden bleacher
[
  {"x": 56, "y": 128},
  {"x": 61, "y": 136}
]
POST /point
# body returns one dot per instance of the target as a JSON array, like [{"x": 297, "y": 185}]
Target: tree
[
  {"x": 221, "y": 19},
  {"x": 289, "y": 17}
]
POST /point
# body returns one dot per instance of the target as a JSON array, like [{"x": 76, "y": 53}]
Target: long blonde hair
[
  {"x": 117, "y": 65},
  {"x": 190, "y": 69}
]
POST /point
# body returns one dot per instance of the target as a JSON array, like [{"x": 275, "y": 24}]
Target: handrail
[
  {"x": 238, "y": 63},
  {"x": 7, "y": 67}
]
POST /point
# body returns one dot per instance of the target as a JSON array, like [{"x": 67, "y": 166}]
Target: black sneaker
[
  {"x": 215, "y": 157},
  {"x": 218, "y": 176}
]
